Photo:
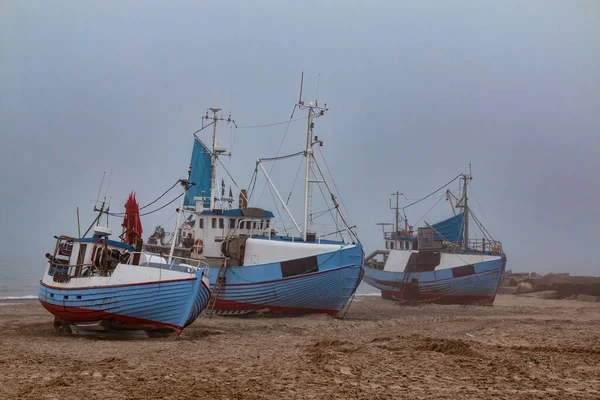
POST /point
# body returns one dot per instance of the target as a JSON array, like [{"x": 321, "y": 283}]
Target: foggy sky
[{"x": 416, "y": 91}]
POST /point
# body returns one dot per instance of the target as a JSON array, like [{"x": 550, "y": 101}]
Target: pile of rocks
[{"x": 557, "y": 286}]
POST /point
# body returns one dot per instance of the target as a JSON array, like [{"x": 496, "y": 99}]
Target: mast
[
  {"x": 465, "y": 205},
  {"x": 314, "y": 111},
  {"x": 213, "y": 162},
  {"x": 215, "y": 151},
  {"x": 397, "y": 210}
]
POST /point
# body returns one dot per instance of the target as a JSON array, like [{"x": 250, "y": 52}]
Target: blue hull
[
  {"x": 452, "y": 285},
  {"x": 158, "y": 305},
  {"x": 263, "y": 286}
]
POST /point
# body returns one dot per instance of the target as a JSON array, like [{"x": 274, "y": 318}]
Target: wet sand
[{"x": 521, "y": 348}]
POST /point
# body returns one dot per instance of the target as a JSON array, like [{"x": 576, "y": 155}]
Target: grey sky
[{"x": 416, "y": 91}]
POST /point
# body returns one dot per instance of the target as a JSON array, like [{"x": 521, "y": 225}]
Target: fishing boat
[
  {"x": 438, "y": 262},
  {"x": 252, "y": 267},
  {"x": 96, "y": 285}
]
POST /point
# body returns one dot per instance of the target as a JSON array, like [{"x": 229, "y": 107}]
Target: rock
[
  {"x": 545, "y": 294},
  {"x": 587, "y": 297},
  {"x": 524, "y": 287},
  {"x": 506, "y": 290},
  {"x": 346, "y": 370}
]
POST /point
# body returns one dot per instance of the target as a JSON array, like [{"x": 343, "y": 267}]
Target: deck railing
[{"x": 64, "y": 272}]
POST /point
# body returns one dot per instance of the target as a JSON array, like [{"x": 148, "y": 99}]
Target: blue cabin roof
[
  {"x": 236, "y": 212},
  {"x": 108, "y": 241}
]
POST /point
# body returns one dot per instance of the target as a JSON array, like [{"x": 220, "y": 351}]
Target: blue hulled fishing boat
[
  {"x": 100, "y": 285},
  {"x": 439, "y": 262},
  {"x": 252, "y": 267}
]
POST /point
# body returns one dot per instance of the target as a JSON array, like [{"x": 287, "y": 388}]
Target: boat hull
[
  {"x": 164, "y": 305},
  {"x": 324, "y": 290},
  {"x": 446, "y": 286}
]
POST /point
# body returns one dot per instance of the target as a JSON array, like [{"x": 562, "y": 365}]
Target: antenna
[
  {"x": 301, "y": 84},
  {"x": 317, "y": 94},
  {"x": 99, "y": 190},
  {"x": 108, "y": 185}
]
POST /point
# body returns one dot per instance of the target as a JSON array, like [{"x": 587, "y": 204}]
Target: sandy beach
[{"x": 520, "y": 348}]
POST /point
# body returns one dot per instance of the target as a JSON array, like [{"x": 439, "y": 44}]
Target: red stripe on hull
[
  {"x": 231, "y": 305},
  {"x": 78, "y": 314},
  {"x": 444, "y": 299}
]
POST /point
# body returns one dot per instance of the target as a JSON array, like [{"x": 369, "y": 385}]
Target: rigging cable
[
  {"x": 273, "y": 124},
  {"x": 149, "y": 212},
  {"x": 436, "y": 203},
  {"x": 334, "y": 185},
  {"x": 480, "y": 207},
  {"x": 149, "y": 204},
  {"x": 279, "y": 149},
  {"x": 432, "y": 193},
  {"x": 287, "y": 201}
]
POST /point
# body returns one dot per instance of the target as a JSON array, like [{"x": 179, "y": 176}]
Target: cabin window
[
  {"x": 254, "y": 225},
  {"x": 231, "y": 223},
  {"x": 221, "y": 223},
  {"x": 261, "y": 224},
  {"x": 268, "y": 222},
  {"x": 387, "y": 245},
  {"x": 242, "y": 225},
  {"x": 214, "y": 223},
  {"x": 201, "y": 224}
]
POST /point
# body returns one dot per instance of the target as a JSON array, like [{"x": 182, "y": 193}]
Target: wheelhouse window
[
  {"x": 221, "y": 223},
  {"x": 254, "y": 225},
  {"x": 268, "y": 222},
  {"x": 214, "y": 223},
  {"x": 242, "y": 224},
  {"x": 231, "y": 223},
  {"x": 201, "y": 223}
]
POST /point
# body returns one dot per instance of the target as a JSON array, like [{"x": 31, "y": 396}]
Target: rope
[
  {"x": 153, "y": 211},
  {"x": 273, "y": 124},
  {"x": 294, "y": 183},
  {"x": 278, "y": 150},
  {"x": 432, "y": 193},
  {"x": 436, "y": 203},
  {"x": 480, "y": 207},
  {"x": 335, "y": 186},
  {"x": 149, "y": 204}
]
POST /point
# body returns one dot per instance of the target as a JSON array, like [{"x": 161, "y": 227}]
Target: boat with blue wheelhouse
[
  {"x": 102, "y": 286},
  {"x": 438, "y": 262},
  {"x": 253, "y": 267}
]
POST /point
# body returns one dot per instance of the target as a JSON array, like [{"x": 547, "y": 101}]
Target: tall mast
[
  {"x": 314, "y": 111},
  {"x": 213, "y": 163},
  {"x": 215, "y": 152}
]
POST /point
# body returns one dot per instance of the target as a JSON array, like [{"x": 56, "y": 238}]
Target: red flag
[{"x": 132, "y": 225}]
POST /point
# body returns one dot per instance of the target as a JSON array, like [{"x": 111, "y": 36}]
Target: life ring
[
  {"x": 104, "y": 246},
  {"x": 198, "y": 246}
]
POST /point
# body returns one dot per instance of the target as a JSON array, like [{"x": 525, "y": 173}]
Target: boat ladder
[
  {"x": 403, "y": 285},
  {"x": 219, "y": 283}
]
